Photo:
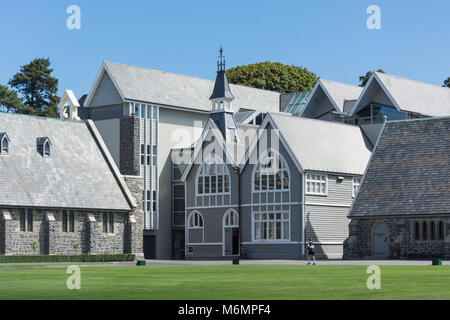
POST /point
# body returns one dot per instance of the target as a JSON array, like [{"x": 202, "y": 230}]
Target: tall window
[
  {"x": 355, "y": 186},
  {"x": 432, "y": 230},
  {"x": 64, "y": 221},
  {"x": 4, "y": 143},
  {"x": 441, "y": 234},
  {"x": 271, "y": 226},
  {"x": 231, "y": 219},
  {"x": 195, "y": 220},
  {"x": 271, "y": 189},
  {"x": 108, "y": 222},
  {"x": 271, "y": 173},
  {"x": 316, "y": 184},
  {"x": 22, "y": 220},
  {"x": 30, "y": 220},
  {"x": 424, "y": 230},
  {"x": 213, "y": 183},
  {"x": 416, "y": 230}
]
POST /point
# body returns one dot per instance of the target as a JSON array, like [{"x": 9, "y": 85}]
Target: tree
[
  {"x": 363, "y": 79},
  {"x": 37, "y": 87},
  {"x": 273, "y": 76},
  {"x": 9, "y": 100},
  {"x": 447, "y": 83}
]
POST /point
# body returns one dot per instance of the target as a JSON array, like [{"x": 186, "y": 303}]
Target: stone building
[
  {"x": 403, "y": 206},
  {"x": 61, "y": 192}
]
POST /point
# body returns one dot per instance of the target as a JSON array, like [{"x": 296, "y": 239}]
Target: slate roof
[
  {"x": 324, "y": 146},
  {"x": 141, "y": 84},
  {"x": 410, "y": 95},
  {"x": 76, "y": 175},
  {"x": 409, "y": 173}
]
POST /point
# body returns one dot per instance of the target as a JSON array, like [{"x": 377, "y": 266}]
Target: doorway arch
[{"x": 230, "y": 233}]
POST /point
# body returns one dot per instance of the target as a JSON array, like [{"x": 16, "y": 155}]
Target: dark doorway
[
  {"x": 235, "y": 241},
  {"x": 149, "y": 247},
  {"x": 178, "y": 245}
]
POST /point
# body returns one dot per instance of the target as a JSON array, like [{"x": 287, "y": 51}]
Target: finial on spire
[{"x": 221, "y": 61}]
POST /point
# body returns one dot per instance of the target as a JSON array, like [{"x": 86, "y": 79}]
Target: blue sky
[{"x": 329, "y": 37}]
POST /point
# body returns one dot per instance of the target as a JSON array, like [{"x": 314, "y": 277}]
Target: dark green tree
[
  {"x": 447, "y": 83},
  {"x": 273, "y": 76},
  {"x": 9, "y": 100},
  {"x": 38, "y": 88},
  {"x": 363, "y": 79}
]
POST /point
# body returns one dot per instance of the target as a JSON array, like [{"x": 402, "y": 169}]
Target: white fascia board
[
  {"x": 199, "y": 144},
  {"x": 366, "y": 87},
  {"x": 103, "y": 68},
  {"x": 330, "y": 98},
  {"x": 252, "y": 146}
]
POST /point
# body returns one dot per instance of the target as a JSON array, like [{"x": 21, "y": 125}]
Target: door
[
  {"x": 149, "y": 247},
  {"x": 179, "y": 245},
  {"x": 380, "y": 241},
  {"x": 231, "y": 241}
]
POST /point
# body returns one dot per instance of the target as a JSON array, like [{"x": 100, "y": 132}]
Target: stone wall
[
  {"x": 47, "y": 236},
  {"x": 400, "y": 238},
  {"x": 135, "y": 224},
  {"x": 129, "y": 145}
]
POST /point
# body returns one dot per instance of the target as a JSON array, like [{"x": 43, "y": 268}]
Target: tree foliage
[
  {"x": 273, "y": 76},
  {"x": 447, "y": 83},
  {"x": 9, "y": 100},
  {"x": 363, "y": 79},
  {"x": 37, "y": 87}
]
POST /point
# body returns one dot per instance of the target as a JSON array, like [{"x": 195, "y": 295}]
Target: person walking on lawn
[{"x": 310, "y": 251}]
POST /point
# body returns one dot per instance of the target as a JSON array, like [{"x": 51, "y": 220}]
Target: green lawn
[{"x": 228, "y": 282}]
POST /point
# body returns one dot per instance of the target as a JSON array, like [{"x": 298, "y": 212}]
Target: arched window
[
  {"x": 270, "y": 197},
  {"x": 231, "y": 219},
  {"x": 416, "y": 230},
  {"x": 441, "y": 233},
  {"x": 213, "y": 183},
  {"x": 271, "y": 173},
  {"x": 432, "y": 230},
  {"x": 4, "y": 142},
  {"x": 424, "y": 230},
  {"x": 195, "y": 220}
]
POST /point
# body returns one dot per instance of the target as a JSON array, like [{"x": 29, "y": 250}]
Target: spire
[{"x": 221, "y": 87}]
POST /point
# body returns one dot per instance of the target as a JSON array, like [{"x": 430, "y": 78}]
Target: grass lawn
[{"x": 228, "y": 282}]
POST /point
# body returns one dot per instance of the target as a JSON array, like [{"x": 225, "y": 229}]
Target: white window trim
[
  {"x": 216, "y": 194},
  {"x": 282, "y": 221},
  {"x": 310, "y": 180},
  {"x": 356, "y": 181},
  {"x": 278, "y": 156},
  {"x": 191, "y": 215}
]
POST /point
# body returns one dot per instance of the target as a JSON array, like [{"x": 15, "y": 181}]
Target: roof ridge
[
  {"x": 420, "y": 119},
  {"x": 3, "y": 113},
  {"x": 412, "y": 80},
  {"x": 187, "y": 76}
]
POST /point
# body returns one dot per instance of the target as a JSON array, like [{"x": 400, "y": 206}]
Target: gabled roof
[
  {"x": 409, "y": 171},
  {"x": 80, "y": 173},
  {"x": 325, "y": 146},
  {"x": 336, "y": 92},
  {"x": 152, "y": 86},
  {"x": 407, "y": 95}
]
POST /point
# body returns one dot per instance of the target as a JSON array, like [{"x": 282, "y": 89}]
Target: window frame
[
  {"x": 356, "y": 181},
  {"x": 3, "y": 149},
  {"x": 257, "y": 174},
  {"x": 268, "y": 221},
  {"x": 195, "y": 226},
  {"x": 308, "y": 179}
]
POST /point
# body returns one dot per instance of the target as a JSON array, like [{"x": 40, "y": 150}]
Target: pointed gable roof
[
  {"x": 164, "y": 88},
  {"x": 406, "y": 95},
  {"x": 221, "y": 87},
  {"x": 336, "y": 92}
]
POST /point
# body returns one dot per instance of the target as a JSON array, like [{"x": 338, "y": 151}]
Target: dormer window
[
  {"x": 4, "y": 142},
  {"x": 43, "y": 146}
]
